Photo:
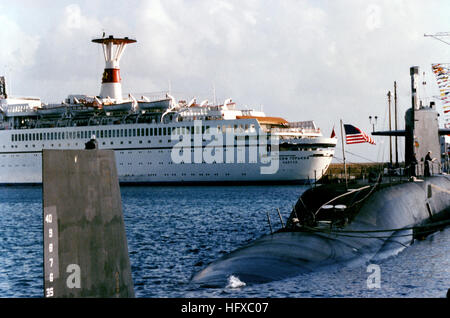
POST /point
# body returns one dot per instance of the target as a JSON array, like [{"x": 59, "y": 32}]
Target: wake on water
[{"x": 235, "y": 282}]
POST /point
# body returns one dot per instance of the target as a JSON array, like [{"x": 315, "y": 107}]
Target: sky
[{"x": 322, "y": 60}]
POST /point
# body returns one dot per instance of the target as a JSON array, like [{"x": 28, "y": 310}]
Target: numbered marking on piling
[{"x": 51, "y": 264}]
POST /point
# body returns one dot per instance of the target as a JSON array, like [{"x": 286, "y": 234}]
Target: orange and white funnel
[{"x": 112, "y": 49}]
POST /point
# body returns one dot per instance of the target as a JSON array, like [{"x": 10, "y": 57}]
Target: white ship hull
[
  {"x": 142, "y": 136},
  {"x": 147, "y": 159}
]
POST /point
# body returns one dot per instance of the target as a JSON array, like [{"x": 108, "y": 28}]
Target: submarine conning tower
[
  {"x": 421, "y": 126},
  {"x": 112, "y": 50},
  {"x": 421, "y": 129}
]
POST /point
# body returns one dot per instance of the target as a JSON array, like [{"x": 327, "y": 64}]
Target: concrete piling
[{"x": 85, "y": 244}]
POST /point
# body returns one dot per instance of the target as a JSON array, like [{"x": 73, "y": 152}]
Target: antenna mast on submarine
[
  {"x": 395, "y": 123},
  {"x": 390, "y": 128}
]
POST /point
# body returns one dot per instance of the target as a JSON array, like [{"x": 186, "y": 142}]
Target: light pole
[{"x": 374, "y": 122}]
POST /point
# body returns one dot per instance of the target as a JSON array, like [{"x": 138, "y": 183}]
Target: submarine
[{"x": 332, "y": 225}]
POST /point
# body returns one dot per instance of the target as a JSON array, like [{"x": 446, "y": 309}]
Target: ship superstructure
[{"x": 158, "y": 139}]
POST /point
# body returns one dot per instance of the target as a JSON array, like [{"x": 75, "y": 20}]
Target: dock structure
[{"x": 85, "y": 244}]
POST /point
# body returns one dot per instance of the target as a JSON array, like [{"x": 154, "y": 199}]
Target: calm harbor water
[{"x": 174, "y": 232}]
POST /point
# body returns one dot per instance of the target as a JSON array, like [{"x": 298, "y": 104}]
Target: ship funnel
[{"x": 112, "y": 50}]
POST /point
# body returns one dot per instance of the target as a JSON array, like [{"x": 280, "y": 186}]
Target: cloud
[
  {"x": 373, "y": 19},
  {"x": 72, "y": 17},
  {"x": 321, "y": 60},
  {"x": 66, "y": 60},
  {"x": 18, "y": 48}
]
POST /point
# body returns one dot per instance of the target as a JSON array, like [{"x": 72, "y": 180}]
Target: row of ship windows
[
  {"x": 182, "y": 162},
  {"x": 120, "y": 133},
  {"x": 184, "y": 174},
  {"x": 130, "y": 142},
  {"x": 76, "y": 144},
  {"x": 225, "y": 148},
  {"x": 86, "y": 134},
  {"x": 214, "y": 162}
]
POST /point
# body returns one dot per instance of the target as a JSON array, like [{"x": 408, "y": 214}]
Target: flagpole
[
  {"x": 343, "y": 156},
  {"x": 390, "y": 128},
  {"x": 395, "y": 122}
]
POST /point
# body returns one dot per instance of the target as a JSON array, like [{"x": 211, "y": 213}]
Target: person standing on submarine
[
  {"x": 428, "y": 163},
  {"x": 412, "y": 168}
]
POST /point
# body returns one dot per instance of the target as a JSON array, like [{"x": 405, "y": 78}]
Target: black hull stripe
[{"x": 187, "y": 183}]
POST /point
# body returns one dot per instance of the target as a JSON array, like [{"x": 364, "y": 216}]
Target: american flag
[{"x": 354, "y": 135}]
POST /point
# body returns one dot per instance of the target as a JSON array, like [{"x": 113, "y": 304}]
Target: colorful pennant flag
[{"x": 442, "y": 72}]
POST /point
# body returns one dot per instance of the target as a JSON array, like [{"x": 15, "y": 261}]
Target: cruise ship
[{"x": 159, "y": 139}]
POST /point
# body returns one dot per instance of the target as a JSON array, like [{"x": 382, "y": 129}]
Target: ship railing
[
  {"x": 296, "y": 130},
  {"x": 155, "y": 96},
  {"x": 308, "y": 124},
  {"x": 269, "y": 221},
  {"x": 18, "y": 108},
  {"x": 435, "y": 168}
]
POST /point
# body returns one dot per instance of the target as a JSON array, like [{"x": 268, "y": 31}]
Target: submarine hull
[{"x": 385, "y": 224}]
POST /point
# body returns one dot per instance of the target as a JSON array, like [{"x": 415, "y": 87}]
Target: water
[{"x": 173, "y": 232}]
